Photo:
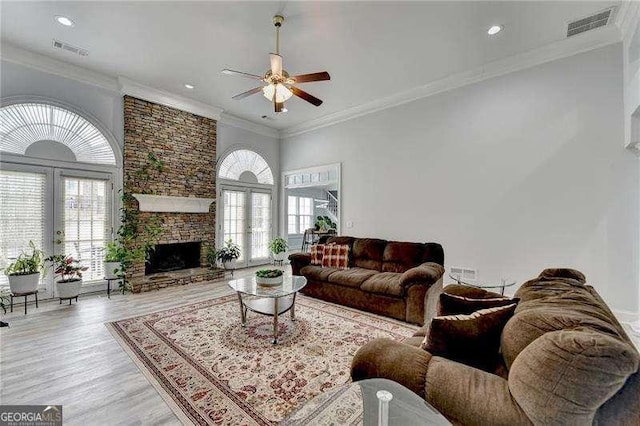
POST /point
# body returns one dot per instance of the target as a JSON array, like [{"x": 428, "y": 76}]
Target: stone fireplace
[
  {"x": 185, "y": 144},
  {"x": 173, "y": 257}
]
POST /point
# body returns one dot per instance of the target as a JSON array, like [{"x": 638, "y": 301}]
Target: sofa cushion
[
  {"x": 317, "y": 273},
  {"x": 367, "y": 253},
  {"x": 335, "y": 256},
  {"x": 399, "y": 257},
  {"x": 564, "y": 376},
  {"x": 352, "y": 277},
  {"x": 450, "y": 304},
  {"x": 470, "y": 339},
  {"x": 433, "y": 252},
  {"x": 317, "y": 253},
  {"x": 387, "y": 283}
]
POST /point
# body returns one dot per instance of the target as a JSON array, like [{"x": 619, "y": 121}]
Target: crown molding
[
  {"x": 627, "y": 19},
  {"x": 17, "y": 55},
  {"x": 241, "y": 123},
  {"x": 551, "y": 52},
  {"x": 138, "y": 90}
]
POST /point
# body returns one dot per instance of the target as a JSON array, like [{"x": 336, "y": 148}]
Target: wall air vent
[
  {"x": 591, "y": 22},
  {"x": 464, "y": 274},
  {"x": 70, "y": 48}
]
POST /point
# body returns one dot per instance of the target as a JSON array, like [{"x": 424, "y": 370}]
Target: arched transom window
[
  {"x": 25, "y": 126},
  {"x": 247, "y": 166}
]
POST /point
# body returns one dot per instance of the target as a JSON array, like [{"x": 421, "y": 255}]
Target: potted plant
[
  {"x": 278, "y": 247},
  {"x": 4, "y": 298},
  {"x": 70, "y": 272},
  {"x": 115, "y": 254},
  {"x": 324, "y": 224},
  {"x": 24, "y": 273},
  {"x": 269, "y": 277},
  {"x": 228, "y": 254}
]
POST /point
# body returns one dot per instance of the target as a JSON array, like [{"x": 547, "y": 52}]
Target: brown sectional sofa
[
  {"x": 396, "y": 279},
  {"x": 567, "y": 360}
]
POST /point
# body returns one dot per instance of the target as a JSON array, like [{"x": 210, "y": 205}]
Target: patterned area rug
[{"x": 210, "y": 370}]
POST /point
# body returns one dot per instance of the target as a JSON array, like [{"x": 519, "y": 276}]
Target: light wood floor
[{"x": 61, "y": 354}]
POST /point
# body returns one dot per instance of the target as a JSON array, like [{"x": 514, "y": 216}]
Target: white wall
[
  {"x": 511, "y": 175},
  {"x": 105, "y": 106}
]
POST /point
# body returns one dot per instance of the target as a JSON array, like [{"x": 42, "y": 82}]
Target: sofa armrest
[
  {"x": 389, "y": 359},
  {"x": 299, "y": 261},
  {"x": 469, "y": 396},
  {"x": 427, "y": 273}
]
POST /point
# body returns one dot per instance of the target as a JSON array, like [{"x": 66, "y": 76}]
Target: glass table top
[
  {"x": 290, "y": 284},
  {"x": 503, "y": 283},
  {"x": 359, "y": 404}
]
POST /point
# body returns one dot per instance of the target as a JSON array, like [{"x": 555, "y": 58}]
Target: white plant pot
[
  {"x": 67, "y": 290},
  {"x": 24, "y": 283},
  {"x": 269, "y": 281},
  {"x": 229, "y": 264},
  {"x": 110, "y": 269},
  {"x": 279, "y": 256}
]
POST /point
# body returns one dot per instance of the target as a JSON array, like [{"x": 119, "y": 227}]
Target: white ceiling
[{"x": 372, "y": 50}]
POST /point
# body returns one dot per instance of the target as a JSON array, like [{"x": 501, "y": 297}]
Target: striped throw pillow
[
  {"x": 336, "y": 256},
  {"x": 317, "y": 253}
]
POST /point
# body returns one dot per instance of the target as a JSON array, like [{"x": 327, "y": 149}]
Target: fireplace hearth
[{"x": 173, "y": 257}]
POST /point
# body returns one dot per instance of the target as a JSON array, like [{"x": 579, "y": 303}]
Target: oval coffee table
[
  {"x": 268, "y": 300},
  {"x": 370, "y": 402}
]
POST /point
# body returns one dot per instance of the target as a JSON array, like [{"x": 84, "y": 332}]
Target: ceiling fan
[{"x": 280, "y": 85}]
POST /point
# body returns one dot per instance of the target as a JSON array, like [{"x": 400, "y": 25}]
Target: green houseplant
[
  {"x": 70, "y": 272},
  {"x": 269, "y": 277},
  {"x": 228, "y": 254},
  {"x": 115, "y": 254},
  {"x": 24, "y": 272},
  {"x": 278, "y": 247},
  {"x": 324, "y": 223}
]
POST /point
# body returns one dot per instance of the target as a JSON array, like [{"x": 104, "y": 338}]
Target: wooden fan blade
[
  {"x": 276, "y": 64},
  {"x": 316, "y": 76},
  {"x": 304, "y": 95},
  {"x": 248, "y": 93},
  {"x": 241, "y": 74}
]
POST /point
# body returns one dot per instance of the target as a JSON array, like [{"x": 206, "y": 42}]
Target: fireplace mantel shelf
[{"x": 165, "y": 203}]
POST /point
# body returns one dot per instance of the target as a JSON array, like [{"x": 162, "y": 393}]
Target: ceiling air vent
[
  {"x": 70, "y": 48},
  {"x": 589, "y": 23}
]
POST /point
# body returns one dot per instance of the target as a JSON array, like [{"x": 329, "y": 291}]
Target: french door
[
  {"x": 63, "y": 211},
  {"x": 246, "y": 219}
]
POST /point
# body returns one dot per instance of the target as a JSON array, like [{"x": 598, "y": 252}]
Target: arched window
[
  {"x": 32, "y": 129},
  {"x": 246, "y": 166}
]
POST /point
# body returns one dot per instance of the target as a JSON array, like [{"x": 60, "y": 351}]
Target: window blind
[{"x": 22, "y": 214}]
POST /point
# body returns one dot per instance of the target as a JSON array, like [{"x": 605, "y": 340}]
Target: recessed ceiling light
[
  {"x": 494, "y": 30},
  {"x": 63, "y": 20},
  {"x": 189, "y": 86}
]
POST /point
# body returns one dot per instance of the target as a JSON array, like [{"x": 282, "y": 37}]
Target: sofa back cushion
[
  {"x": 433, "y": 252},
  {"x": 399, "y": 256},
  {"x": 564, "y": 376},
  {"x": 368, "y": 253}
]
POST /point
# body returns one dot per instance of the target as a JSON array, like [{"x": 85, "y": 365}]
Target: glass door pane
[
  {"x": 23, "y": 212},
  {"x": 87, "y": 223},
  {"x": 233, "y": 219},
  {"x": 260, "y": 225}
]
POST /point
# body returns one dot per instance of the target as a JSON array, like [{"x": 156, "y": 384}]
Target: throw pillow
[
  {"x": 335, "y": 256},
  {"x": 472, "y": 339},
  {"x": 317, "y": 253},
  {"x": 451, "y": 304}
]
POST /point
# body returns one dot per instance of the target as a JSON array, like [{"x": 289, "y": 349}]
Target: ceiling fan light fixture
[{"x": 281, "y": 91}]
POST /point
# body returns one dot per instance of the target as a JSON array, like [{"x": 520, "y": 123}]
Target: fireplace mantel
[{"x": 165, "y": 203}]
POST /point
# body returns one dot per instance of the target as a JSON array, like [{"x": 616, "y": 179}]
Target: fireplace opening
[{"x": 173, "y": 257}]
